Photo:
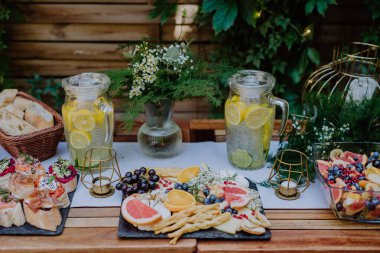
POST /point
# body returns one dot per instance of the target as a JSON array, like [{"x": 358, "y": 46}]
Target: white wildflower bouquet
[{"x": 165, "y": 72}]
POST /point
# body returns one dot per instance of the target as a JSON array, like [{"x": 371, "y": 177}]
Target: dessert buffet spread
[
  {"x": 353, "y": 181},
  {"x": 195, "y": 202},
  {"x": 33, "y": 201}
]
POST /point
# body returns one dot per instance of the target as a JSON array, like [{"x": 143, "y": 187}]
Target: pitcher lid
[
  {"x": 86, "y": 82},
  {"x": 251, "y": 82}
]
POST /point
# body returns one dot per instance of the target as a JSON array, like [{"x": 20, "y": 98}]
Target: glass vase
[{"x": 160, "y": 136}]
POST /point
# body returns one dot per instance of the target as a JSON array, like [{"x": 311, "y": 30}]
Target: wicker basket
[{"x": 41, "y": 144}]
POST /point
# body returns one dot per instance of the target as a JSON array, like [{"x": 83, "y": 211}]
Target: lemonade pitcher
[
  {"x": 249, "y": 114},
  {"x": 88, "y": 115}
]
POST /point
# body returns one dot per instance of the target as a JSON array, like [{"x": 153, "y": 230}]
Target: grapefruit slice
[
  {"x": 323, "y": 166},
  {"x": 337, "y": 192},
  {"x": 137, "y": 213},
  {"x": 236, "y": 196},
  {"x": 350, "y": 157}
]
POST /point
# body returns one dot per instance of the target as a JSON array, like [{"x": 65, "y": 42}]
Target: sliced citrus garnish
[
  {"x": 187, "y": 174},
  {"x": 79, "y": 139},
  {"x": 256, "y": 116},
  {"x": 178, "y": 200},
  {"x": 267, "y": 135},
  {"x": 84, "y": 120},
  {"x": 234, "y": 112},
  {"x": 241, "y": 158}
]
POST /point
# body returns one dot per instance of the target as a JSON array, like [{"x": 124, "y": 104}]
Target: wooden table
[{"x": 95, "y": 230}]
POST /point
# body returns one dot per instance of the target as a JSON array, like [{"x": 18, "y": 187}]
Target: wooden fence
[{"x": 65, "y": 37}]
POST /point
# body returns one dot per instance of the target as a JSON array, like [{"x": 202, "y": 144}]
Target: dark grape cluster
[{"x": 140, "y": 181}]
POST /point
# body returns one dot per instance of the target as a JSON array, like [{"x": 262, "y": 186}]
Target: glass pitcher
[
  {"x": 249, "y": 115},
  {"x": 88, "y": 115}
]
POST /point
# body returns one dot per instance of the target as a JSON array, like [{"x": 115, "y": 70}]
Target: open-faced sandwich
[
  {"x": 27, "y": 169},
  {"x": 7, "y": 167},
  {"x": 55, "y": 189},
  {"x": 10, "y": 210},
  {"x": 65, "y": 173},
  {"x": 41, "y": 210}
]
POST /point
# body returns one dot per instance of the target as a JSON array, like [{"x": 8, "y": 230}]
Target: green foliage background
[{"x": 276, "y": 36}]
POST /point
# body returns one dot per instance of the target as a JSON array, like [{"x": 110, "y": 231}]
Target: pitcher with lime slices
[
  {"x": 88, "y": 115},
  {"x": 249, "y": 115}
]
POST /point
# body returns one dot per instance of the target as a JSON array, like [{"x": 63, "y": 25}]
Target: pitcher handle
[
  {"x": 283, "y": 104},
  {"x": 108, "y": 111}
]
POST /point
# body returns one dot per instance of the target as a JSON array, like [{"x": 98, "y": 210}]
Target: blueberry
[
  {"x": 376, "y": 163},
  {"x": 128, "y": 180},
  {"x": 221, "y": 198},
  {"x": 137, "y": 173},
  {"x": 128, "y": 174},
  {"x": 212, "y": 198},
  {"x": 151, "y": 172},
  {"x": 330, "y": 170},
  {"x": 356, "y": 158},
  {"x": 144, "y": 186},
  {"x": 207, "y": 201},
  {"x": 185, "y": 186},
  {"x": 135, "y": 188},
  {"x": 223, "y": 211},
  {"x": 340, "y": 173},
  {"x": 229, "y": 209},
  {"x": 152, "y": 185},
  {"x": 179, "y": 187},
  {"x": 330, "y": 178},
  {"x": 357, "y": 186},
  {"x": 370, "y": 206},
  {"x": 155, "y": 178},
  {"x": 119, "y": 186},
  {"x": 134, "y": 178},
  {"x": 176, "y": 185},
  {"x": 206, "y": 191},
  {"x": 376, "y": 154},
  {"x": 234, "y": 211},
  {"x": 375, "y": 201},
  {"x": 142, "y": 170},
  {"x": 339, "y": 207},
  {"x": 140, "y": 191},
  {"x": 362, "y": 178}
]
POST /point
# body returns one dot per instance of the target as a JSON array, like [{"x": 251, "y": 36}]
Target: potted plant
[{"x": 158, "y": 76}]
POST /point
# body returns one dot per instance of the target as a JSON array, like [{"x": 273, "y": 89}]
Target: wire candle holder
[
  {"x": 289, "y": 175},
  {"x": 100, "y": 169}
]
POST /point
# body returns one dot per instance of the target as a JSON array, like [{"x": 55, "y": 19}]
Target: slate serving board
[
  {"x": 28, "y": 229},
  {"x": 127, "y": 230}
]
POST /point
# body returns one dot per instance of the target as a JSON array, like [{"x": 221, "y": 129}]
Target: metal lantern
[
  {"x": 354, "y": 71},
  {"x": 100, "y": 169},
  {"x": 289, "y": 175}
]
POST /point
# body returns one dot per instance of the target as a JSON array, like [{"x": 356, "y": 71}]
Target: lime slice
[
  {"x": 79, "y": 139},
  {"x": 234, "y": 113},
  {"x": 256, "y": 116},
  {"x": 241, "y": 158},
  {"x": 84, "y": 120}
]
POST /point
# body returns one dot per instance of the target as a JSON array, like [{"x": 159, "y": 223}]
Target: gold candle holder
[
  {"x": 100, "y": 169},
  {"x": 289, "y": 174}
]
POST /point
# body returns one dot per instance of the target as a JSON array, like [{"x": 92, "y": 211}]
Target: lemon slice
[
  {"x": 241, "y": 158},
  {"x": 234, "y": 113},
  {"x": 256, "y": 116},
  {"x": 267, "y": 135},
  {"x": 79, "y": 139},
  {"x": 84, "y": 120}
]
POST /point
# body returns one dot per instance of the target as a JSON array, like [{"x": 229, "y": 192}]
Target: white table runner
[{"x": 214, "y": 154}]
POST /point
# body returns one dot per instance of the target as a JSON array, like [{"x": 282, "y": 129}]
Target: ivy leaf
[
  {"x": 163, "y": 9},
  {"x": 278, "y": 66},
  {"x": 282, "y": 21},
  {"x": 264, "y": 27},
  {"x": 313, "y": 55},
  {"x": 225, "y": 16},
  {"x": 210, "y": 5},
  {"x": 309, "y": 6},
  {"x": 247, "y": 12},
  {"x": 290, "y": 38},
  {"x": 323, "y": 4}
]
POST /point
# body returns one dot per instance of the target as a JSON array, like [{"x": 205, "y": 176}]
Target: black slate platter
[
  {"x": 127, "y": 230},
  {"x": 28, "y": 229}
]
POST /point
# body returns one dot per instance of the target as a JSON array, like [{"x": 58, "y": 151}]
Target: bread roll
[
  {"x": 48, "y": 219},
  {"x": 22, "y": 103},
  {"x": 7, "y": 96},
  {"x": 12, "y": 125},
  {"x": 11, "y": 214},
  {"x": 38, "y": 116},
  {"x": 14, "y": 110}
]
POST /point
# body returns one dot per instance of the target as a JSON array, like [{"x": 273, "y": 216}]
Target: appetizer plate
[
  {"x": 28, "y": 229},
  {"x": 127, "y": 230}
]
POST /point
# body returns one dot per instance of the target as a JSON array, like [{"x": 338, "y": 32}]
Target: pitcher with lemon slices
[
  {"x": 249, "y": 115},
  {"x": 87, "y": 115}
]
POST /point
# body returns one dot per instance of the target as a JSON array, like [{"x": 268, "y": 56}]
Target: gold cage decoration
[
  {"x": 289, "y": 175},
  {"x": 100, "y": 169},
  {"x": 354, "y": 71}
]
